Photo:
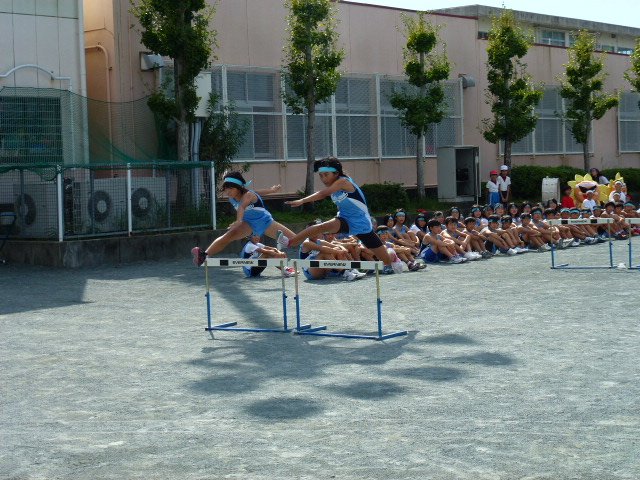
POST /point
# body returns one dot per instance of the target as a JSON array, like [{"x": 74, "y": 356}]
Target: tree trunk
[
  {"x": 310, "y": 101},
  {"x": 419, "y": 152},
  {"x": 311, "y": 156},
  {"x": 585, "y": 151},
  {"x": 507, "y": 153},
  {"x": 182, "y": 133},
  {"x": 420, "y": 168}
]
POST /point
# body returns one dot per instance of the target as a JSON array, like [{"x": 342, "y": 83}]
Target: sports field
[{"x": 510, "y": 370}]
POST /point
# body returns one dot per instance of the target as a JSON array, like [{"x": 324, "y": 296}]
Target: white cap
[{"x": 504, "y": 167}]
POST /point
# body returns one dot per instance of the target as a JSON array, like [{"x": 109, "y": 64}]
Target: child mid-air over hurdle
[{"x": 353, "y": 215}]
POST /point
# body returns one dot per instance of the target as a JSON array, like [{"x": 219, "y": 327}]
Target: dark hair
[
  {"x": 566, "y": 187},
  {"x": 237, "y": 176},
  {"x": 609, "y": 203},
  {"x": 433, "y": 223},
  {"x": 525, "y": 216},
  {"x": 494, "y": 218},
  {"x": 382, "y": 229},
  {"x": 506, "y": 219},
  {"x": 548, "y": 211},
  {"x": 450, "y": 219},
  {"x": 331, "y": 162},
  {"x": 469, "y": 220},
  {"x": 437, "y": 214}
]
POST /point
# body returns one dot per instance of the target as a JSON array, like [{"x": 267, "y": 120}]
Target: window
[
  {"x": 483, "y": 35},
  {"x": 30, "y": 129},
  {"x": 625, "y": 50},
  {"x": 552, "y": 37},
  {"x": 357, "y": 122},
  {"x": 552, "y": 134},
  {"x": 606, "y": 48},
  {"x": 629, "y": 122}
]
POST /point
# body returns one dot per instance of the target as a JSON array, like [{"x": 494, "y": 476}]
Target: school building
[{"x": 92, "y": 49}]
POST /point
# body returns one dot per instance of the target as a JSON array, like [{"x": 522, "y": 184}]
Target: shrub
[
  {"x": 526, "y": 180},
  {"x": 382, "y": 197}
]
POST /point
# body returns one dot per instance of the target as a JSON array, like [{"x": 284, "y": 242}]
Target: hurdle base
[
  {"x": 308, "y": 328},
  {"x": 350, "y": 335},
  {"x": 566, "y": 266},
  {"x": 230, "y": 327}
]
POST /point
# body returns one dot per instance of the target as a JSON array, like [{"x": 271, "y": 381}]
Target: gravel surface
[{"x": 510, "y": 370}]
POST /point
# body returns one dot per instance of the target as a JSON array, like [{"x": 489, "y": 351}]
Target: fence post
[
  {"x": 213, "y": 197},
  {"x": 60, "y": 203},
  {"x": 129, "y": 211}
]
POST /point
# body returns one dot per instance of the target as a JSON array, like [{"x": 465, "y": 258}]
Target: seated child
[
  {"x": 402, "y": 253},
  {"x": 437, "y": 248},
  {"x": 254, "y": 249},
  {"x": 461, "y": 241},
  {"x": 530, "y": 235},
  {"x": 549, "y": 234},
  {"x": 497, "y": 239},
  {"x": 511, "y": 229},
  {"x": 320, "y": 249},
  {"x": 476, "y": 239},
  {"x": 419, "y": 226}
]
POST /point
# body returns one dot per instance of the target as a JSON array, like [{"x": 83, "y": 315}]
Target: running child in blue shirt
[
  {"x": 252, "y": 218},
  {"x": 353, "y": 215}
]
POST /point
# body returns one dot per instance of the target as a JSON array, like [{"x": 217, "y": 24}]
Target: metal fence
[{"x": 65, "y": 202}]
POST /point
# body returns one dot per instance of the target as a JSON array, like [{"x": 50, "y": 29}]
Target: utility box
[{"x": 458, "y": 173}]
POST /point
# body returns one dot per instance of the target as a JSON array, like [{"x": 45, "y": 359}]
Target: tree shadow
[
  {"x": 369, "y": 390},
  {"x": 450, "y": 339},
  {"x": 431, "y": 374},
  {"x": 284, "y": 408},
  {"x": 488, "y": 359}
]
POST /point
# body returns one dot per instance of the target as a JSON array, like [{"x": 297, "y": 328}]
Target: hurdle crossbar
[
  {"x": 631, "y": 221},
  {"x": 341, "y": 264},
  {"x": 245, "y": 262},
  {"x": 582, "y": 221}
]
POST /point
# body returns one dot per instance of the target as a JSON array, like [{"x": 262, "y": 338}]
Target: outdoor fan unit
[
  {"x": 148, "y": 198},
  {"x": 36, "y": 206},
  {"x": 101, "y": 209}
]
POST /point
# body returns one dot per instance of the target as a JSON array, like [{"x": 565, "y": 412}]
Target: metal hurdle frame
[
  {"x": 245, "y": 262},
  {"x": 582, "y": 221},
  {"x": 340, "y": 264},
  {"x": 632, "y": 221}
]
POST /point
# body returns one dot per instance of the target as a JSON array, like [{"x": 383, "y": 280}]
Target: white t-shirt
[
  {"x": 249, "y": 250},
  {"x": 503, "y": 183},
  {"x": 623, "y": 196},
  {"x": 589, "y": 204},
  {"x": 492, "y": 187}
]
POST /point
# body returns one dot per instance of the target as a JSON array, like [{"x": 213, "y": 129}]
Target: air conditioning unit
[
  {"x": 148, "y": 201},
  {"x": 36, "y": 206},
  {"x": 100, "y": 207}
]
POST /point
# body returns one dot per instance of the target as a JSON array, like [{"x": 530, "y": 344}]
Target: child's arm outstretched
[
  {"x": 339, "y": 184},
  {"x": 268, "y": 191}
]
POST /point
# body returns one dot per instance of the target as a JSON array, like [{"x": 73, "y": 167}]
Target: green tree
[
  {"x": 424, "y": 104},
  {"x": 511, "y": 92},
  {"x": 311, "y": 64},
  {"x": 180, "y": 30},
  {"x": 222, "y": 135},
  {"x": 633, "y": 74},
  {"x": 582, "y": 85}
]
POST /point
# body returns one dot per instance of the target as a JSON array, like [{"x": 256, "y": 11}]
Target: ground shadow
[
  {"x": 284, "y": 408},
  {"x": 486, "y": 358},
  {"x": 431, "y": 374},
  {"x": 369, "y": 390}
]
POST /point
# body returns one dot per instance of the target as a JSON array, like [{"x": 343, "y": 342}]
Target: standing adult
[{"x": 504, "y": 185}]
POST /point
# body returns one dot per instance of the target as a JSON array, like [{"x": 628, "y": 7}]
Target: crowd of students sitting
[{"x": 453, "y": 238}]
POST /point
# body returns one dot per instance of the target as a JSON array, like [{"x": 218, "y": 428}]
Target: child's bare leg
[
  {"x": 331, "y": 226},
  {"x": 235, "y": 233}
]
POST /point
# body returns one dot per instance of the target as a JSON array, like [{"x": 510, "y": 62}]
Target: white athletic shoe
[
  {"x": 349, "y": 276},
  {"x": 575, "y": 243},
  {"x": 470, "y": 256},
  {"x": 358, "y": 274},
  {"x": 512, "y": 251},
  {"x": 282, "y": 241},
  {"x": 457, "y": 259}
]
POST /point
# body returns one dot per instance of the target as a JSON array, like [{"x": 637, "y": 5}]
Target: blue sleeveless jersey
[
  {"x": 352, "y": 207},
  {"x": 256, "y": 215}
]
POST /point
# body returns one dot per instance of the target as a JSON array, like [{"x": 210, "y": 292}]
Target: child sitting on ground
[
  {"x": 531, "y": 236},
  {"x": 476, "y": 239},
  {"x": 403, "y": 253},
  {"x": 497, "y": 239},
  {"x": 254, "y": 249},
  {"x": 462, "y": 242},
  {"x": 437, "y": 248}
]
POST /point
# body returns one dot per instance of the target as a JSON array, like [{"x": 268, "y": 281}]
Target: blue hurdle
[
  {"x": 242, "y": 262},
  {"x": 632, "y": 221},
  {"x": 340, "y": 264},
  {"x": 582, "y": 221}
]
